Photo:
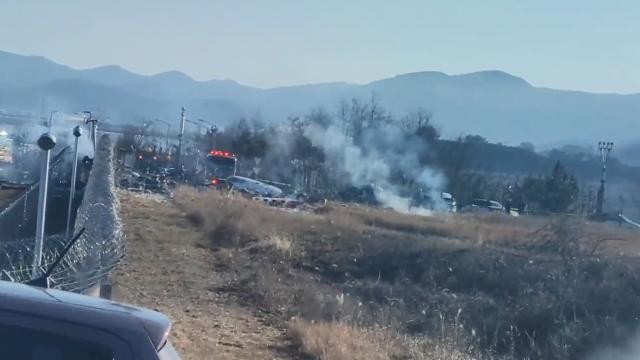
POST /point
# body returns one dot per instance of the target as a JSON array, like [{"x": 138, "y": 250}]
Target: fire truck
[
  {"x": 221, "y": 173},
  {"x": 220, "y": 166}
]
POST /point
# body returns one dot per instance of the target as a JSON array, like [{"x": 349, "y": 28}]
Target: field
[
  {"x": 8, "y": 195},
  {"x": 241, "y": 280}
]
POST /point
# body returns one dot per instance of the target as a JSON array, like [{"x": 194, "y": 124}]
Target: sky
[{"x": 590, "y": 45}]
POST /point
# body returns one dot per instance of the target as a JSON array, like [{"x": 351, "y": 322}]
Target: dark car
[{"x": 38, "y": 323}]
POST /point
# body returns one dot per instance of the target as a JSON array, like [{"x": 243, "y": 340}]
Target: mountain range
[{"x": 494, "y": 104}]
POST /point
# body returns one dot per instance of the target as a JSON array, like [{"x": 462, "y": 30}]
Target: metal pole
[
  {"x": 94, "y": 129},
  {"x": 77, "y": 131},
  {"x": 605, "y": 148},
  {"x": 46, "y": 143},
  {"x": 180, "y": 134},
  {"x": 168, "y": 131}
]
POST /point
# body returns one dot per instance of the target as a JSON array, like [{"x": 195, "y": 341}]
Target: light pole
[
  {"x": 605, "y": 148},
  {"x": 77, "y": 132},
  {"x": 196, "y": 123},
  {"x": 200, "y": 126},
  {"x": 212, "y": 130},
  {"x": 92, "y": 121},
  {"x": 51, "y": 119},
  {"x": 168, "y": 130},
  {"x": 46, "y": 142},
  {"x": 205, "y": 122}
]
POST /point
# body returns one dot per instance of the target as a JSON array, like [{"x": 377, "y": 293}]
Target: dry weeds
[
  {"x": 466, "y": 286},
  {"x": 334, "y": 340},
  {"x": 235, "y": 221},
  {"x": 340, "y": 341}
]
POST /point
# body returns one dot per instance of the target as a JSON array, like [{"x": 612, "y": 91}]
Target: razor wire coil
[{"x": 94, "y": 255}]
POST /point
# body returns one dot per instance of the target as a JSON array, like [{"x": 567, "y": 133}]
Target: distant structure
[{"x": 605, "y": 149}]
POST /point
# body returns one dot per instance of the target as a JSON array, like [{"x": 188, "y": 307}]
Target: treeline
[
  {"x": 583, "y": 162},
  {"x": 470, "y": 166},
  {"x": 359, "y": 145},
  {"x": 347, "y": 152}
]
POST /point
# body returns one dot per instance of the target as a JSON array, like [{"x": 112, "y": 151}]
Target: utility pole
[
  {"x": 605, "y": 149},
  {"x": 180, "y": 135}
]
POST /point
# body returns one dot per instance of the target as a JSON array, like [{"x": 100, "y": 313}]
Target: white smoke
[
  {"x": 383, "y": 153},
  {"x": 62, "y": 129},
  {"x": 630, "y": 351}
]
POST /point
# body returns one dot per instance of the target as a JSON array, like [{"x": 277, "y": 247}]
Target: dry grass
[
  {"x": 481, "y": 286},
  {"x": 334, "y": 340},
  {"x": 479, "y": 228},
  {"x": 236, "y": 221},
  {"x": 340, "y": 341},
  {"x": 167, "y": 269},
  {"x": 232, "y": 220},
  {"x": 282, "y": 242}
]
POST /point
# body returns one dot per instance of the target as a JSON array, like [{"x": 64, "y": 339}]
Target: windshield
[
  {"x": 372, "y": 179},
  {"x": 221, "y": 166}
]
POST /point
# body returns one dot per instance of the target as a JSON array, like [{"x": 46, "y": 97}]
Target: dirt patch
[{"x": 168, "y": 269}]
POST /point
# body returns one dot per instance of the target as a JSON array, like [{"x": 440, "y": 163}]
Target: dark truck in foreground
[{"x": 39, "y": 323}]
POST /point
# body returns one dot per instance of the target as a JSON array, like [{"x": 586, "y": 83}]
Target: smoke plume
[{"x": 382, "y": 156}]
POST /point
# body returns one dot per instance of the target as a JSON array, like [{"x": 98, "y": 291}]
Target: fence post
[
  {"x": 77, "y": 131},
  {"x": 46, "y": 143}
]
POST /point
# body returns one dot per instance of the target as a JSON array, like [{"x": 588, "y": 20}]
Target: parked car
[{"x": 39, "y": 323}]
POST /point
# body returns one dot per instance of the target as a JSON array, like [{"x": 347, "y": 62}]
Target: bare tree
[
  {"x": 419, "y": 123},
  {"x": 343, "y": 116},
  {"x": 357, "y": 116},
  {"x": 320, "y": 117}
]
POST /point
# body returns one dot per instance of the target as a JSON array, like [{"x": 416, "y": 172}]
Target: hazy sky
[{"x": 591, "y": 45}]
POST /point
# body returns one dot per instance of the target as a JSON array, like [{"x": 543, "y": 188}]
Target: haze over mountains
[{"x": 497, "y": 105}]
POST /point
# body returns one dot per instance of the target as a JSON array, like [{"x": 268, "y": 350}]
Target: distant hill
[
  {"x": 628, "y": 151},
  {"x": 500, "y": 106}
]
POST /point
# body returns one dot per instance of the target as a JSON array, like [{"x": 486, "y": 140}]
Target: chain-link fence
[
  {"x": 95, "y": 253},
  {"x": 18, "y": 220}
]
